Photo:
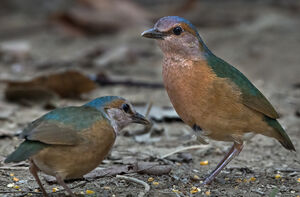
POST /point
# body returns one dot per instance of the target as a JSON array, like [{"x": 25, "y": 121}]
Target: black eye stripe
[
  {"x": 177, "y": 30},
  {"x": 126, "y": 108}
]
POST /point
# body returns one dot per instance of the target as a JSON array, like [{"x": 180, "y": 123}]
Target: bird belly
[
  {"x": 200, "y": 97},
  {"x": 75, "y": 161}
]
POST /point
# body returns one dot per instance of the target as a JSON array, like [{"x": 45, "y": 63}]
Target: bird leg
[
  {"x": 233, "y": 152},
  {"x": 33, "y": 170},
  {"x": 62, "y": 183}
]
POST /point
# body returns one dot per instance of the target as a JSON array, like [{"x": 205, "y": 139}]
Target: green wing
[
  {"x": 251, "y": 96},
  {"x": 25, "y": 150},
  {"x": 60, "y": 127}
]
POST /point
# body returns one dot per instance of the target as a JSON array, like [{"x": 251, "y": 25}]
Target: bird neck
[
  {"x": 188, "y": 48},
  {"x": 203, "y": 48},
  {"x": 115, "y": 125},
  {"x": 117, "y": 121}
]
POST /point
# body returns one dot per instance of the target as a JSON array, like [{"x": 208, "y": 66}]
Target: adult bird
[
  {"x": 71, "y": 141},
  {"x": 210, "y": 94}
]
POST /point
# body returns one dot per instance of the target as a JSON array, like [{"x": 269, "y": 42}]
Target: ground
[{"x": 263, "y": 44}]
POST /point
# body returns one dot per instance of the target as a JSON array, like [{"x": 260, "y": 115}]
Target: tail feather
[
  {"x": 25, "y": 150},
  {"x": 283, "y": 137}
]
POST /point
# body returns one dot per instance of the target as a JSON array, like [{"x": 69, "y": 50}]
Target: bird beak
[
  {"x": 153, "y": 33},
  {"x": 140, "y": 119}
]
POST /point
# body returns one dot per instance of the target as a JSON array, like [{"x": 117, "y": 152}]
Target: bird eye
[
  {"x": 177, "y": 30},
  {"x": 126, "y": 108}
]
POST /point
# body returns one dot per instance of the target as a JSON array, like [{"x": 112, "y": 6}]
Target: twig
[
  {"x": 82, "y": 183},
  {"x": 149, "y": 107},
  {"x": 146, "y": 186},
  {"x": 129, "y": 83},
  {"x": 13, "y": 168},
  {"x": 287, "y": 169},
  {"x": 148, "y": 127},
  {"x": 182, "y": 149},
  {"x": 259, "y": 192},
  {"x": 19, "y": 192}
]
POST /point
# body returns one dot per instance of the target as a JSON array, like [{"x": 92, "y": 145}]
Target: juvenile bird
[
  {"x": 210, "y": 94},
  {"x": 70, "y": 142}
]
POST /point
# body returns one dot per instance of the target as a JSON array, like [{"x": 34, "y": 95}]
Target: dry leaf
[
  {"x": 150, "y": 168},
  {"x": 69, "y": 84}
]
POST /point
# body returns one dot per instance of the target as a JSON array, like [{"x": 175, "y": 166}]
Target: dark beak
[
  {"x": 140, "y": 119},
  {"x": 153, "y": 33}
]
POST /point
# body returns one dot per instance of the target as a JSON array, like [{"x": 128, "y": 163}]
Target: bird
[
  {"x": 69, "y": 142},
  {"x": 211, "y": 96}
]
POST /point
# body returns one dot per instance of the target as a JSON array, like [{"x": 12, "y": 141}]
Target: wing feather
[
  {"x": 62, "y": 126},
  {"x": 251, "y": 96}
]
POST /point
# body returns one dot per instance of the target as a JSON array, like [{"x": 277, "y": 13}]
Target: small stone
[{"x": 10, "y": 185}]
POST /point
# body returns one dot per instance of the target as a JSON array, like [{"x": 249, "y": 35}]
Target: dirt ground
[{"x": 259, "y": 38}]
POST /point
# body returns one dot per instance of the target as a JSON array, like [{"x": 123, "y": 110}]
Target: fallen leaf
[
  {"x": 153, "y": 168},
  {"x": 150, "y": 168},
  {"x": 181, "y": 157},
  {"x": 103, "y": 80},
  {"x": 29, "y": 95},
  {"x": 69, "y": 84}
]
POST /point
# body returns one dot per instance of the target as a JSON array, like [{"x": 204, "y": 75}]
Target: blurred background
[{"x": 62, "y": 52}]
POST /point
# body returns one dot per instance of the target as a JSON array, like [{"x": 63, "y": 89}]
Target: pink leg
[
  {"x": 225, "y": 157},
  {"x": 234, "y": 151},
  {"x": 33, "y": 169},
  {"x": 62, "y": 183}
]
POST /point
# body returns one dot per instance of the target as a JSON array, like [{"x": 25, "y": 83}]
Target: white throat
[{"x": 113, "y": 122}]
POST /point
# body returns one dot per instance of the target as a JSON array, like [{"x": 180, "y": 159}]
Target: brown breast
[
  {"x": 75, "y": 161},
  {"x": 200, "y": 97}
]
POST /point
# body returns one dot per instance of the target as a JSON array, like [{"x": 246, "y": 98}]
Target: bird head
[
  {"x": 118, "y": 110},
  {"x": 177, "y": 36}
]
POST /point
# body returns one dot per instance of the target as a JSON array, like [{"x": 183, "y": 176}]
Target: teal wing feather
[
  {"x": 283, "y": 137},
  {"x": 61, "y": 127},
  {"x": 25, "y": 150},
  {"x": 251, "y": 96}
]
